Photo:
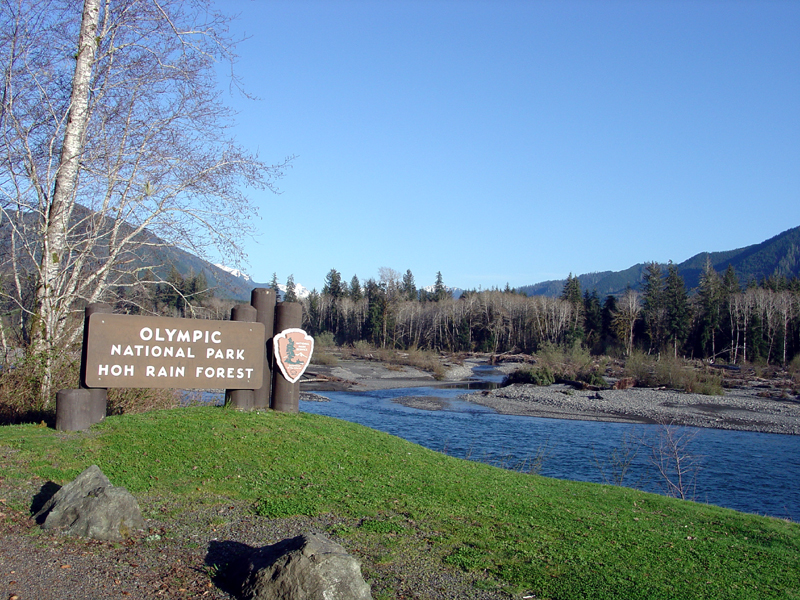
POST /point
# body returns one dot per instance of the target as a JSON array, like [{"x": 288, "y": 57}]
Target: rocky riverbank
[
  {"x": 742, "y": 409},
  {"x": 750, "y": 405}
]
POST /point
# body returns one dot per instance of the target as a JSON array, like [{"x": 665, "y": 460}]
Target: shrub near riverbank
[
  {"x": 426, "y": 360},
  {"x": 20, "y": 386},
  {"x": 554, "y": 363},
  {"x": 409, "y": 512},
  {"x": 674, "y": 373}
]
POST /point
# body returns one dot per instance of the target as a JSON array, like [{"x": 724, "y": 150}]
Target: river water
[{"x": 747, "y": 471}]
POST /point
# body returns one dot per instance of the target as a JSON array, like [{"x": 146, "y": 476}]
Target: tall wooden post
[
  {"x": 263, "y": 300},
  {"x": 286, "y": 395},
  {"x": 98, "y": 397},
  {"x": 241, "y": 399}
]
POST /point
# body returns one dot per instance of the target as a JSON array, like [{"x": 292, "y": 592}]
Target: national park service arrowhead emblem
[{"x": 293, "y": 349}]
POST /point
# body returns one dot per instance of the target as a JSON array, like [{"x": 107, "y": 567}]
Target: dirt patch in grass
[{"x": 188, "y": 550}]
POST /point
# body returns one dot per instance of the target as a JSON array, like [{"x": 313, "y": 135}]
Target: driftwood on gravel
[
  {"x": 512, "y": 357},
  {"x": 582, "y": 385}
]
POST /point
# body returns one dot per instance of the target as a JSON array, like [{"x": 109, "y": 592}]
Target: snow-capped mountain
[
  {"x": 299, "y": 290},
  {"x": 235, "y": 272},
  {"x": 454, "y": 292}
]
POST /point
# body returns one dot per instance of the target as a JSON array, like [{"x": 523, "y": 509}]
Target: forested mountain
[
  {"x": 779, "y": 255},
  {"x": 222, "y": 282},
  {"x": 152, "y": 251}
]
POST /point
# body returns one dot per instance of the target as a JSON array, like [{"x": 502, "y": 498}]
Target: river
[{"x": 747, "y": 471}]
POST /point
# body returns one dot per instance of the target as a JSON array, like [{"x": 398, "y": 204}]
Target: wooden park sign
[
  {"x": 126, "y": 351},
  {"x": 132, "y": 351}
]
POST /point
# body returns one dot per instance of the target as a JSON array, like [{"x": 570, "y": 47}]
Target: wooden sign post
[
  {"x": 264, "y": 300},
  {"x": 285, "y": 394}
]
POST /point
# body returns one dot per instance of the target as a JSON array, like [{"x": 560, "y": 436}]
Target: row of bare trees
[
  {"x": 489, "y": 321},
  {"x": 769, "y": 318},
  {"x": 719, "y": 319},
  {"x": 758, "y": 323}
]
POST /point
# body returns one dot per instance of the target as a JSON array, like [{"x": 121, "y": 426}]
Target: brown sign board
[{"x": 127, "y": 351}]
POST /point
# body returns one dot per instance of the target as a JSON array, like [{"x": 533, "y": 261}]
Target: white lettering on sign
[
  {"x": 197, "y": 335},
  {"x": 150, "y": 371},
  {"x": 228, "y": 354},
  {"x": 116, "y": 370},
  {"x": 157, "y": 351},
  {"x": 223, "y": 372},
  {"x": 136, "y": 351}
]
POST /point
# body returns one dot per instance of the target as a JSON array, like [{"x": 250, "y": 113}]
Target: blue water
[{"x": 747, "y": 471}]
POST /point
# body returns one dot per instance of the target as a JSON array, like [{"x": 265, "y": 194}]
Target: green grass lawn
[{"x": 538, "y": 536}]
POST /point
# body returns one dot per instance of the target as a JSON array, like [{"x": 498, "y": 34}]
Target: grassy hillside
[{"x": 531, "y": 535}]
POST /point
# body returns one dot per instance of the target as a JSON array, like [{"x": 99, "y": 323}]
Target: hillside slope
[
  {"x": 779, "y": 255},
  {"x": 155, "y": 251},
  {"x": 425, "y": 525}
]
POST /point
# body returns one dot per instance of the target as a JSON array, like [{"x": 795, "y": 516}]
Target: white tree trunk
[{"x": 56, "y": 222}]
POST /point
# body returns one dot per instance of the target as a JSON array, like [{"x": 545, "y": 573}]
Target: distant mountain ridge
[
  {"x": 225, "y": 282},
  {"x": 779, "y": 255}
]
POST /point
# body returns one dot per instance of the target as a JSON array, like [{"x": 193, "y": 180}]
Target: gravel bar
[{"x": 744, "y": 409}]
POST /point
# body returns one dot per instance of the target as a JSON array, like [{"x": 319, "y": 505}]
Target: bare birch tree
[
  {"x": 785, "y": 305},
  {"x": 114, "y": 138},
  {"x": 628, "y": 309}
]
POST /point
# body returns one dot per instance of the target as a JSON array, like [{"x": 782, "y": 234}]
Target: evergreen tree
[
  {"x": 676, "y": 305},
  {"x": 609, "y": 335},
  {"x": 440, "y": 292},
  {"x": 274, "y": 285},
  {"x": 291, "y": 295},
  {"x": 572, "y": 294},
  {"x": 592, "y": 320},
  {"x": 171, "y": 293},
  {"x": 197, "y": 289},
  {"x": 355, "y": 289},
  {"x": 290, "y": 353},
  {"x": 710, "y": 295},
  {"x": 377, "y": 307},
  {"x": 409, "y": 287},
  {"x": 313, "y": 325},
  {"x": 122, "y": 304},
  {"x": 730, "y": 281},
  {"x": 572, "y": 290},
  {"x": 333, "y": 285},
  {"x": 653, "y": 305}
]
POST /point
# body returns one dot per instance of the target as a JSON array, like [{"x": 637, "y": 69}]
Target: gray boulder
[
  {"x": 306, "y": 567},
  {"x": 89, "y": 506}
]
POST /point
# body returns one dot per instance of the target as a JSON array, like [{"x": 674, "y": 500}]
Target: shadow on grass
[{"x": 12, "y": 415}]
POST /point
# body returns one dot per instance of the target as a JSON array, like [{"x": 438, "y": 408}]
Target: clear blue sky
[{"x": 517, "y": 141}]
